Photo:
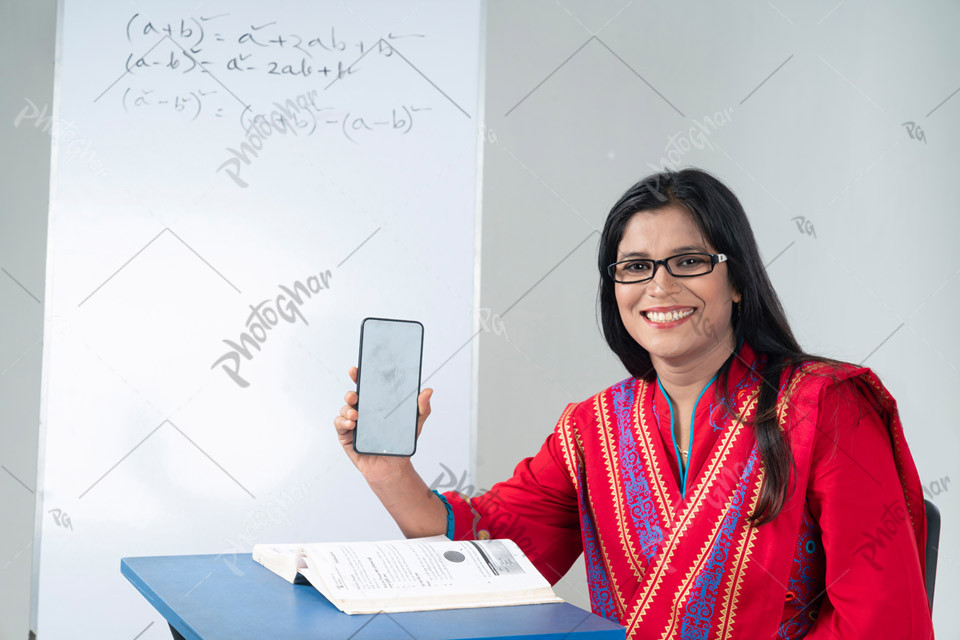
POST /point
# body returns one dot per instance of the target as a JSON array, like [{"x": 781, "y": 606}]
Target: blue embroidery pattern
[
  {"x": 717, "y": 414},
  {"x": 749, "y": 381},
  {"x": 640, "y": 501},
  {"x": 699, "y": 608},
  {"x": 601, "y": 599},
  {"x": 805, "y": 589}
]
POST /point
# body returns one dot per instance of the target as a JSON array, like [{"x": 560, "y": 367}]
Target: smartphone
[{"x": 388, "y": 384}]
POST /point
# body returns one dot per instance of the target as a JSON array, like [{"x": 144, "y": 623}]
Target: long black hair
[{"x": 761, "y": 320}]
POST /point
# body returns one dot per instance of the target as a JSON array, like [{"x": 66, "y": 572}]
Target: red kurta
[{"x": 669, "y": 558}]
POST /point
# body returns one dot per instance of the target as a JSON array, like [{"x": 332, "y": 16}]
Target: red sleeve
[
  {"x": 536, "y": 508},
  {"x": 874, "y": 585}
]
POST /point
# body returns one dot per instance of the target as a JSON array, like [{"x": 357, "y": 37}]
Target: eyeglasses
[{"x": 685, "y": 265}]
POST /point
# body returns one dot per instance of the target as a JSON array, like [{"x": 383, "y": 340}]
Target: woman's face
[{"x": 660, "y": 234}]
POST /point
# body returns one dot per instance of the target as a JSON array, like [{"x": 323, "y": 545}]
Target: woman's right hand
[{"x": 376, "y": 469}]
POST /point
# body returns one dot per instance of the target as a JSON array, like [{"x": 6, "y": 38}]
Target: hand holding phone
[
  {"x": 393, "y": 479},
  {"x": 388, "y": 385},
  {"x": 377, "y": 470}
]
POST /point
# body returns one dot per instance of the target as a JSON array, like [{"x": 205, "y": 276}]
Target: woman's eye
[{"x": 636, "y": 266}]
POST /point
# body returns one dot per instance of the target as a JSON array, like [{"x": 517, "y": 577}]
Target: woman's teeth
[{"x": 669, "y": 316}]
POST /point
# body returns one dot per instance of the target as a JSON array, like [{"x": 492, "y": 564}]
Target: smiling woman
[{"x": 717, "y": 492}]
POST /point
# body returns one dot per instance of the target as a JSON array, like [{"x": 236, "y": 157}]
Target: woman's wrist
[
  {"x": 415, "y": 508},
  {"x": 401, "y": 474},
  {"x": 400, "y": 488}
]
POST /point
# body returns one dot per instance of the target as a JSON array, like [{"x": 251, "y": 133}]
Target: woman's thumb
[{"x": 423, "y": 403}]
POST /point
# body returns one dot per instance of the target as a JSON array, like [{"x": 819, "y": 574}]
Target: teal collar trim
[{"x": 673, "y": 433}]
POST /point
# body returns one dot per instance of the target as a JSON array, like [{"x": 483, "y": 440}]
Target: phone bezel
[{"x": 416, "y": 402}]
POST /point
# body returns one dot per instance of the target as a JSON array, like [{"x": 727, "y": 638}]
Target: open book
[{"x": 417, "y": 574}]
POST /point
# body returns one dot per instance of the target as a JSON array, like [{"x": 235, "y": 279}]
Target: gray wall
[
  {"x": 27, "y": 33},
  {"x": 582, "y": 99}
]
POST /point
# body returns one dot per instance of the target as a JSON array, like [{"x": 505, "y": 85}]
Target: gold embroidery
[
  {"x": 570, "y": 456},
  {"x": 887, "y": 405},
  {"x": 619, "y": 599},
  {"x": 612, "y": 465},
  {"x": 714, "y": 466},
  {"x": 683, "y": 591},
  {"x": 650, "y": 463},
  {"x": 729, "y": 438},
  {"x": 741, "y": 559}
]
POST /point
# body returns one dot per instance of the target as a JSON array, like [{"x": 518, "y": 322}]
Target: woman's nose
[{"x": 662, "y": 279}]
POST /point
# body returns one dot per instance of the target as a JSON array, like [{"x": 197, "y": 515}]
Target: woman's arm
[
  {"x": 536, "y": 508},
  {"x": 417, "y": 510},
  {"x": 414, "y": 507},
  {"x": 874, "y": 585}
]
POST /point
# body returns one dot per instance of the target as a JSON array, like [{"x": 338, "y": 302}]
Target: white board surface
[{"x": 236, "y": 186}]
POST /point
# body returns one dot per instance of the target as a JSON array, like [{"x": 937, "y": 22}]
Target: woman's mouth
[{"x": 665, "y": 320}]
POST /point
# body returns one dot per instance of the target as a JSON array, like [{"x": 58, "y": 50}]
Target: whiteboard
[{"x": 235, "y": 187}]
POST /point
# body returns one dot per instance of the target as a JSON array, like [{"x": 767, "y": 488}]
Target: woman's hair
[{"x": 761, "y": 322}]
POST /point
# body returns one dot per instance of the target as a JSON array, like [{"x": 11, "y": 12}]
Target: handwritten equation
[
  {"x": 303, "y": 115},
  {"x": 190, "y": 33},
  {"x": 200, "y": 47},
  {"x": 225, "y": 49},
  {"x": 352, "y": 125}
]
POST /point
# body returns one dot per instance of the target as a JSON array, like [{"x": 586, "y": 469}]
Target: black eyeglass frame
[{"x": 715, "y": 259}]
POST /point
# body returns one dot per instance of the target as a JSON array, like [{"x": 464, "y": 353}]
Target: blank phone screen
[{"x": 388, "y": 385}]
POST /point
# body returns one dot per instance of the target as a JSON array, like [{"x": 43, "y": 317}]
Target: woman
[{"x": 733, "y": 486}]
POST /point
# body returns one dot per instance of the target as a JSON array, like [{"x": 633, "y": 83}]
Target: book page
[{"x": 395, "y": 568}]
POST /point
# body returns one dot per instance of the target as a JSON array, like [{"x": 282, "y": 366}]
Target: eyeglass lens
[{"x": 691, "y": 264}]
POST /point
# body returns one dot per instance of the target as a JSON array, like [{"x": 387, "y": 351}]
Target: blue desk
[{"x": 203, "y": 599}]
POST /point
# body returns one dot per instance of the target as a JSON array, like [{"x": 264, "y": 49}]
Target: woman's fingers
[
  {"x": 424, "y": 402},
  {"x": 348, "y": 411},
  {"x": 346, "y": 421},
  {"x": 350, "y": 397},
  {"x": 343, "y": 425}
]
